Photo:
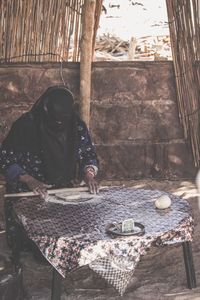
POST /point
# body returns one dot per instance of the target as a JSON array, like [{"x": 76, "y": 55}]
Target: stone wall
[{"x": 134, "y": 118}]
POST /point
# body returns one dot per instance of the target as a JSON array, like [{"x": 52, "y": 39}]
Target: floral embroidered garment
[{"x": 13, "y": 164}]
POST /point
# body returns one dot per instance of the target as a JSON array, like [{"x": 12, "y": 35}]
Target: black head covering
[{"x": 50, "y": 130}]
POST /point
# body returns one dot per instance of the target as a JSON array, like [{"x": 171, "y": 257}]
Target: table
[{"x": 73, "y": 235}]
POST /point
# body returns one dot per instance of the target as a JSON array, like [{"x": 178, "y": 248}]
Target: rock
[
  {"x": 163, "y": 202},
  {"x": 11, "y": 284}
]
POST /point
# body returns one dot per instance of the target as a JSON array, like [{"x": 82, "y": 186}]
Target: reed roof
[{"x": 38, "y": 31}]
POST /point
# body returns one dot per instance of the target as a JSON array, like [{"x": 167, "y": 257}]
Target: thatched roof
[{"x": 47, "y": 30}]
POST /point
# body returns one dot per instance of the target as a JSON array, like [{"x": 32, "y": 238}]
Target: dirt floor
[{"x": 160, "y": 275}]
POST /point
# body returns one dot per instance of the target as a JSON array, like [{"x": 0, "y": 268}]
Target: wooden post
[{"x": 86, "y": 58}]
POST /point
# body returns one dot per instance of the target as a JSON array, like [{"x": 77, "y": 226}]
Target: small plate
[{"x": 116, "y": 229}]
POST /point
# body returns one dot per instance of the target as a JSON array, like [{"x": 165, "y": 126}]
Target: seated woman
[{"x": 48, "y": 146}]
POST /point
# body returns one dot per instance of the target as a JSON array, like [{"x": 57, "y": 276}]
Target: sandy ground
[
  {"x": 144, "y": 21},
  {"x": 160, "y": 275},
  {"x": 125, "y": 18}
]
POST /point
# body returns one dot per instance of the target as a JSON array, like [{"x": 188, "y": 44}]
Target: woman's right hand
[{"x": 34, "y": 185}]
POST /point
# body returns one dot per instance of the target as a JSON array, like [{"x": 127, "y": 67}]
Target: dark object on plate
[{"x": 116, "y": 229}]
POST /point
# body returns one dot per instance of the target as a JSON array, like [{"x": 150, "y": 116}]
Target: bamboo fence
[
  {"x": 41, "y": 31},
  {"x": 184, "y": 28}
]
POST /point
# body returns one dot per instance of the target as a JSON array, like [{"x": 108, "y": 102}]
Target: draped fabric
[{"x": 49, "y": 140}]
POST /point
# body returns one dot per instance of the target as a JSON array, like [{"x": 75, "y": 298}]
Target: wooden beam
[
  {"x": 88, "y": 14},
  {"x": 97, "y": 16}
]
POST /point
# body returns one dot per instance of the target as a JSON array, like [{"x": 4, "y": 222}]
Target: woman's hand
[
  {"x": 34, "y": 185},
  {"x": 90, "y": 181}
]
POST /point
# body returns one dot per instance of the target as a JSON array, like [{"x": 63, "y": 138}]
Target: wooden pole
[{"x": 86, "y": 58}]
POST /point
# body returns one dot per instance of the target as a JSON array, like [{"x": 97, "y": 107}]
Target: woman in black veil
[{"x": 49, "y": 145}]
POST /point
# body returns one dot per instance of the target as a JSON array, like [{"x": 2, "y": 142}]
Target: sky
[{"x": 148, "y": 19}]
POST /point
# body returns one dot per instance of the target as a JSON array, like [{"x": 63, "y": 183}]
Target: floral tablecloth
[{"x": 73, "y": 235}]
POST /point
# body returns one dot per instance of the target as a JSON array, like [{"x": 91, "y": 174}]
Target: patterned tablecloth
[{"x": 73, "y": 235}]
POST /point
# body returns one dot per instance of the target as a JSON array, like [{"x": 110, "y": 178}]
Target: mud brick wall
[{"x": 134, "y": 118}]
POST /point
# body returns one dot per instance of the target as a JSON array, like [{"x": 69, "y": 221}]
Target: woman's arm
[
  {"x": 87, "y": 158},
  {"x": 14, "y": 173}
]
